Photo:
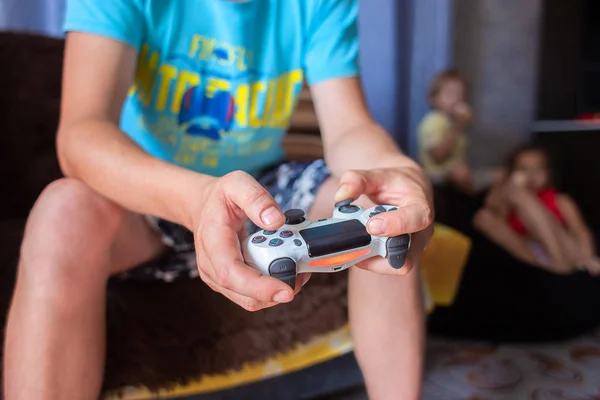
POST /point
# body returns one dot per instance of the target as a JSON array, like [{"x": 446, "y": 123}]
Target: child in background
[
  {"x": 442, "y": 139},
  {"x": 526, "y": 215}
]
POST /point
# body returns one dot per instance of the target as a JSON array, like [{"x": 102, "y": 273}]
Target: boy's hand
[
  {"x": 227, "y": 203},
  {"x": 405, "y": 187}
]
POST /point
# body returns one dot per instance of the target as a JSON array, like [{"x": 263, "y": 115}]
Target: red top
[{"x": 548, "y": 198}]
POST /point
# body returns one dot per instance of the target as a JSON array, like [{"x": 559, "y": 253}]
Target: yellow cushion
[{"x": 443, "y": 263}]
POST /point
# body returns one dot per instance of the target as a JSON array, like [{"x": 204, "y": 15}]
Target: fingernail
[
  {"x": 342, "y": 193},
  {"x": 282, "y": 297},
  {"x": 270, "y": 215},
  {"x": 377, "y": 226}
]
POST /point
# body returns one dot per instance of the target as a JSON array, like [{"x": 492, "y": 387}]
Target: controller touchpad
[{"x": 335, "y": 238}]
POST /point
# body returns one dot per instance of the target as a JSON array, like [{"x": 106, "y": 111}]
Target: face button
[
  {"x": 294, "y": 217},
  {"x": 343, "y": 203},
  {"x": 286, "y": 234},
  {"x": 275, "y": 242},
  {"x": 258, "y": 239},
  {"x": 269, "y": 232},
  {"x": 298, "y": 242}
]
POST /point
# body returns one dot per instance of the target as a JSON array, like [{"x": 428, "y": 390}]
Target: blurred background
[{"x": 533, "y": 67}]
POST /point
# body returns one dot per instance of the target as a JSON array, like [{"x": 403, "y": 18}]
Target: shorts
[{"x": 292, "y": 185}]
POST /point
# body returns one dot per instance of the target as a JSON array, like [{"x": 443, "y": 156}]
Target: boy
[
  {"x": 211, "y": 96},
  {"x": 442, "y": 138}
]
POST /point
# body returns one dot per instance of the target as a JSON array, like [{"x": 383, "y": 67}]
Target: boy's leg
[
  {"x": 387, "y": 320},
  {"x": 74, "y": 240}
]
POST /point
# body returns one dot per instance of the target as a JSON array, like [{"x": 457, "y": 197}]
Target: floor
[{"x": 568, "y": 370}]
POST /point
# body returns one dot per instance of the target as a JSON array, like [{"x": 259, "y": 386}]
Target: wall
[
  {"x": 37, "y": 16},
  {"x": 496, "y": 44},
  {"x": 385, "y": 62},
  {"x": 431, "y": 51}
]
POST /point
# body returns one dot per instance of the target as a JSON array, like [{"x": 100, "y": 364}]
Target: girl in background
[{"x": 527, "y": 216}]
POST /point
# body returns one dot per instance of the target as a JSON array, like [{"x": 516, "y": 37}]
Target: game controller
[{"x": 328, "y": 245}]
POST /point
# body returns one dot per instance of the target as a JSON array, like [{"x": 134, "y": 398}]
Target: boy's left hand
[{"x": 405, "y": 187}]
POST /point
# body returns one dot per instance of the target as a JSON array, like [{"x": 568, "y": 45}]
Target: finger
[
  {"x": 418, "y": 243},
  {"x": 245, "y": 302},
  {"x": 381, "y": 265},
  {"x": 226, "y": 268},
  {"x": 411, "y": 218},
  {"x": 354, "y": 183},
  {"x": 255, "y": 201},
  {"x": 301, "y": 280}
]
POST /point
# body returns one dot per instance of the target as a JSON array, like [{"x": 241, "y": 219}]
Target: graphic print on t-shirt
[{"x": 210, "y": 102}]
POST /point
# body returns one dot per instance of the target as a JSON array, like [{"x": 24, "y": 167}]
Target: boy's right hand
[{"x": 227, "y": 203}]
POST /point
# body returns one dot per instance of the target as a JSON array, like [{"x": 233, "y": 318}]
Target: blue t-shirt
[{"x": 217, "y": 80}]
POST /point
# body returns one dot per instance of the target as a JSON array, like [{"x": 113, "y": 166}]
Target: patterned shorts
[{"x": 292, "y": 185}]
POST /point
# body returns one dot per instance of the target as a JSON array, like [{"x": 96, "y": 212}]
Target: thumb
[
  {"x": 355, "y": 183},
  {"x": 254, "y": 200}
]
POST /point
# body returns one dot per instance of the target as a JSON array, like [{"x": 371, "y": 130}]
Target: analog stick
[{"x": 294, "y": 217}]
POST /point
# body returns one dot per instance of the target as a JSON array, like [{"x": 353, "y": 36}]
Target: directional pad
[{"x": 397, "y": 249}]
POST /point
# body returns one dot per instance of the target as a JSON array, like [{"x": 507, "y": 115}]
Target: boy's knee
[
  {"x": 68, "y": 233},
  {"x": 71, "y": 202}
]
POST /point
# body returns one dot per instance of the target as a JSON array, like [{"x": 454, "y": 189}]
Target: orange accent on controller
[{"x": 341, "y": 259}]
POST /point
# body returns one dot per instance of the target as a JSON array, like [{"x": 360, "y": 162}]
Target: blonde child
[{"x": 442, "y": 138}]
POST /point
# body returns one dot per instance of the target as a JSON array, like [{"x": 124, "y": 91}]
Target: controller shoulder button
[
  {"x": 284, "y": 269},
  {"x": 282, "y": 266},
  {"x": 398, "y": 242},
  {"x": 397, "y": 250}
]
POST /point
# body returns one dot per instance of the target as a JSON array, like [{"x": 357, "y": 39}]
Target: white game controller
[{"x": 328, "y": 245}]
